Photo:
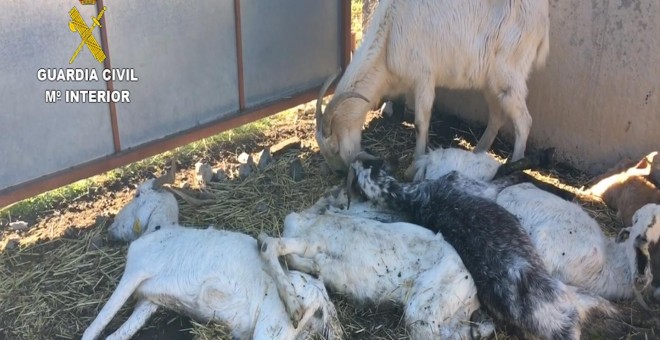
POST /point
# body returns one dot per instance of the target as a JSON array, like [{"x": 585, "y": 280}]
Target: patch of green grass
[{"x": 195, "y": 150}]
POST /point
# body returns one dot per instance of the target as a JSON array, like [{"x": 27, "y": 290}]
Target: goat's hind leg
[
  {"x": 271, "y": 249},
  {"x": 512, "y": 97},
  {"x": 122, "y": 293},
  {"x": 143, "y": 310}
]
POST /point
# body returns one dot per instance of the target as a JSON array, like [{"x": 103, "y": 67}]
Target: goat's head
[
  {"x": 338, "y": 145},
  {"x": 151, "y": 207},
  {"x": 645, "y": 237},
  {"x": 320, "y": 315},
  {"x": 368, "y": 174}
]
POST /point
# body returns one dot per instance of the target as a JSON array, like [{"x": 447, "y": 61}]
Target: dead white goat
[
  {"x": 574, "y": 248},
  {"x": 153, "y": 204},
  {"x": 374, "y": 262},
  {"x": 571, "y": 244},
  {"x": 413, "y": 46},
  {"x": 483, "y": 167},
  {"x": 439, "y": 162},
  {"x": 213, "y": 275},
  {"x": 209, "y": 275}
]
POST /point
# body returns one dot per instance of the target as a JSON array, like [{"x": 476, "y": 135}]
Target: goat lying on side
[
  {"x": 374, "y": 262},
  {"x": 153, "y": 204},
  {"x": 575, "y": 250},
  {"x": 628, "y": 188},
  {"x": 571, "y": 243},
  {"x": 209, "y": 275},
  {"x": 512, "y": 283},
  {"x": 481, "y": 166},
  {"x": 413, "y": 46}
]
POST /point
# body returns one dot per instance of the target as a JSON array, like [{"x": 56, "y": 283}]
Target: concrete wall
[{"x": 597, "y": 99}]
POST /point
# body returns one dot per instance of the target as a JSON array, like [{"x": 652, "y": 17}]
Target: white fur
[
  {"x": 573, "y": 246},
  {"x": 413, "y": 46},
  {"x": 375, "y": 262},
  {"x": 475, "y": 165},
  {"x": 210, "y": 275}
]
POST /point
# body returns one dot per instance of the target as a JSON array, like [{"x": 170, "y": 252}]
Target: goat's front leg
[
  {"x": 271, "y": 249},
  {"x": 144, "y": 309},
  {"x": 424, "y": 96}
]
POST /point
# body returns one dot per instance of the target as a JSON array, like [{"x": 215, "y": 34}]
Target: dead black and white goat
[
  {"x": 512, "y": 283},
  {"x": 207, "y": 274},
  {"x": 373, "y": 262},
  {"x": 571, "y": 243}
]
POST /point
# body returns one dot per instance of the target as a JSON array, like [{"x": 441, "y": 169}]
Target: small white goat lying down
[
  {"x": 374, "y": 262},
  {"x": 209, "y": 275},
  {"x": 413, "y": 46},
  {"x": 153, "y": 204},
  {"x": 571, "y": 244}
]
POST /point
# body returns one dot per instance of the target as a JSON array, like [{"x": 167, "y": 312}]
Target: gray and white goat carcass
[
  {"x": 365, "y": 254},
  {"x": 207, "y": 274},
  {"x": 413, "y": 46},
  {"x": 571, "y": 243}
]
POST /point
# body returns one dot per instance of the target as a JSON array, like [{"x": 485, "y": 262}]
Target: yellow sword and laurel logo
[{"x": 78, "y": 24}]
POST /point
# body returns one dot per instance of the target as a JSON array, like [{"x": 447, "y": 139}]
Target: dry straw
[{"x": 54, "y": 289}]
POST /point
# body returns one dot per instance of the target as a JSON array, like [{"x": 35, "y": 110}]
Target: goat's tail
[{"x": 589, "y": 305}]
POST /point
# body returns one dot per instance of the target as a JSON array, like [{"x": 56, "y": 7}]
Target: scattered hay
[{"x": 54, "y": 289}]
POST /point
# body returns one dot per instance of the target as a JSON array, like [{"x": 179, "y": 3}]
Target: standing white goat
[
  {"x": 414, "y": 46},
  {"x": 207, "y": 274},
  {"x": 374, "y": 262}
]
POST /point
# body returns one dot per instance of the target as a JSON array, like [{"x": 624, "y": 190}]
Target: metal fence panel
[
  {"x": 37, "y": 138},
  {"x": 288, "y": 45},
  {"x": 184, "y": 55},
  {"x": 201, "y": 67}
]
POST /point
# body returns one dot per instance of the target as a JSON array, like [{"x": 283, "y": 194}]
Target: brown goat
[{"x": 629, "y": 186}]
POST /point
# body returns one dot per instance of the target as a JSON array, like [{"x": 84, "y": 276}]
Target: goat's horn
[
  {"x": 334, "y": 103},
  {"x": 188, "y": 198},
  {"x": 365, "y": 156},
  {"x": 319, "y": 101},
  {"x": 168, "y": 178}
]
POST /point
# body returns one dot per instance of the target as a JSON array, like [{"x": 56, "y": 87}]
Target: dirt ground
[{"x": 55, "y": 277}]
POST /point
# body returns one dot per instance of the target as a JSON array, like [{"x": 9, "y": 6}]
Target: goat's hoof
[
  {"x": 262, "y": 243},
  {"x": 409, "y": 174},
  {"x": 296, "y": 314}
]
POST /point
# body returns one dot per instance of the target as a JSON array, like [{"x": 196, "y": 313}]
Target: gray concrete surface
[{"x": 596, "y": 100}]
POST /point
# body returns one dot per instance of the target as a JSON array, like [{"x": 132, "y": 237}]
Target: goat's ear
[
  {"x": 623, "y": 235},
  {"x": 642, "y": 168},
  {"x": 375, "y": 165}
]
